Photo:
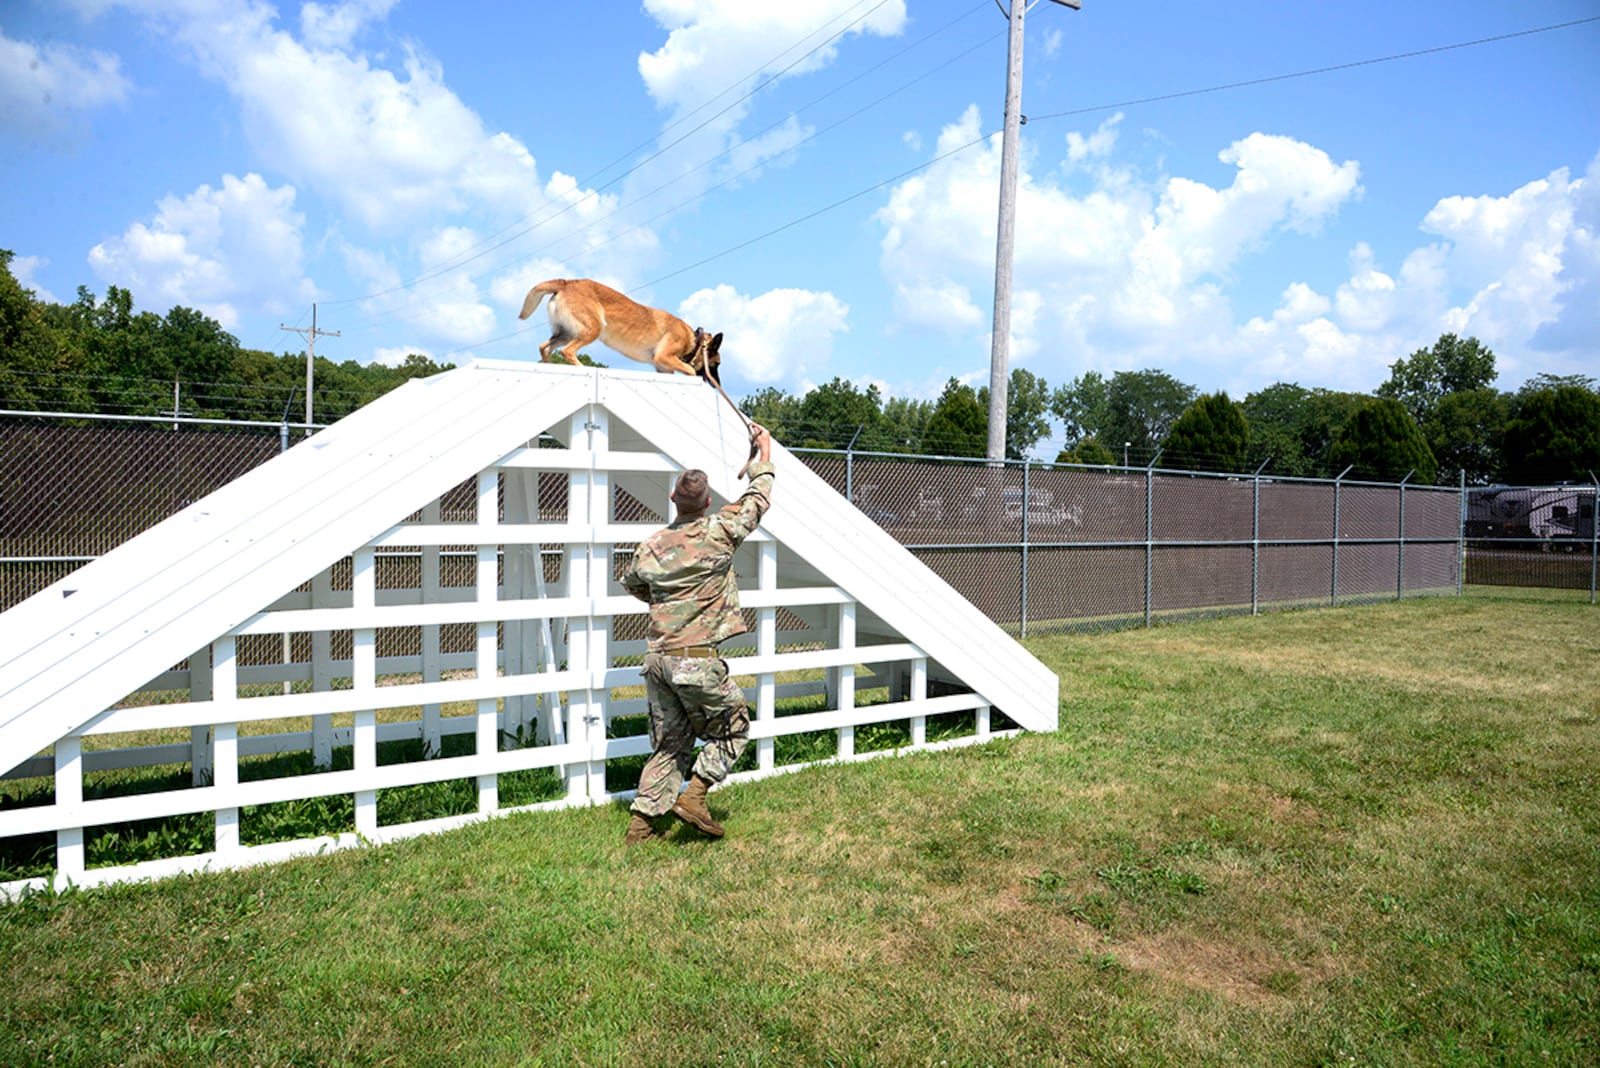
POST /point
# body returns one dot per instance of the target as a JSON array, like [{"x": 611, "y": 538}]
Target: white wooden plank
[
  {"x": 838, "y": 718},
  {"x": 414, "y": 615},
  {"x": 576, "y": 460},
  {"x": 94, "y": 813},
  {"x": 69, "y": 795},
  {"x": 416, "y": 535}
]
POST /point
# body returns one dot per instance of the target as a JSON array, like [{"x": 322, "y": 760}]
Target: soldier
[{"x": 685, "y": 573}]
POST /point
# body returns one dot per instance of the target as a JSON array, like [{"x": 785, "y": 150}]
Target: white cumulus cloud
[
  {"x": 41, "y": 85},
  {"x": 212, "y": 250},
  {"x": 780, "y": 334},
  {"x": 1119, "y": 275},
  {"x": 945, "y": 306},
  {"x": 704, "y": 36},
  {"x": 336, "y": 25},
  {"x": 710, "y": 41}
]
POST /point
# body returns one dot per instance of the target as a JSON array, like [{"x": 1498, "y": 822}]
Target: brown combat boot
[
  {"x": 640, "y": 829},
  {"x": 691, "y": 807}
]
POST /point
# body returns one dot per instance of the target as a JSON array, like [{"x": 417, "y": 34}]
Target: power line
[
  {"x": 1076, "y": 111},
  {"x": 1316, "y": 70},
  {"x": 962, "y": 148},
  {"x": 822, "y": 210},
  {"x": 311, "y": 333}
]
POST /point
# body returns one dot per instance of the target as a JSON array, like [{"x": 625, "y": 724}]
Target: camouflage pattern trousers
[{"x": 689, "y": 698}]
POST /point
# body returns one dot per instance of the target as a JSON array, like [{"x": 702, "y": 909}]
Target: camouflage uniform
[{"x": 685, "y": 572}]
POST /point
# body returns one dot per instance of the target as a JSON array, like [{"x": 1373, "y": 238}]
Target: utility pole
[
  {"x": 1000, "y": 347},
  {"x": 311, "y": 349}
]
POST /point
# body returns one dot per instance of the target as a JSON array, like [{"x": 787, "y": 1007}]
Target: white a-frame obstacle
[{"x": 424, "y": 596}]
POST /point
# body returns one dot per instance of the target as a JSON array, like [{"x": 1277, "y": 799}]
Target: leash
[
  {"x": 705, "y": 372},
  {"x": 754, "y": 451}
]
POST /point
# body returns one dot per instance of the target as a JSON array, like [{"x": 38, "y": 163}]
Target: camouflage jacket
[{"x": 685, "y": 570}]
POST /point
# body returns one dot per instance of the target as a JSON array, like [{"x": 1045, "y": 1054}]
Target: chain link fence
[
  {"x": 1038, "y": 547},
  {"x": 1533, "y": 536},
  {"x": 1047, "y": 547}
]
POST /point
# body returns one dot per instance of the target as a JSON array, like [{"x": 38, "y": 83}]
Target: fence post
[
  {"x": 1149, "y": 533},
  {"x": 1255, "y": 545},
  {"x": 1333, "y": 593},
  {"x": 1461, "y": 536},
  {"x": 850, "y": 468},
  {"x": 1594, "y": 536},
  {"x": 1027, "y": 506},
  {"x": 1400, "y": 548}
]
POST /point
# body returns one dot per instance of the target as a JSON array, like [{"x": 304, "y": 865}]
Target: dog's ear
[{"x": 716, "y": 343}]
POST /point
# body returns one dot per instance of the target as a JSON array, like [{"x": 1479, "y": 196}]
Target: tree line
[
  {"x": 1436, "y": 417},
  {"x": 99, "y": 356}
]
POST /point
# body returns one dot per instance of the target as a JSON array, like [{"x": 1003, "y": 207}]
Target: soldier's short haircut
[{"x": 693, "y": 490}]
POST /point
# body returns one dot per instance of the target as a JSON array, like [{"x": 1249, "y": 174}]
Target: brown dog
[{"x": 583, "y": 311}]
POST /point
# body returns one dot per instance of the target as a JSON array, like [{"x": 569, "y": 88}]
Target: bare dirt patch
[{"x": 1246, "y": 975}]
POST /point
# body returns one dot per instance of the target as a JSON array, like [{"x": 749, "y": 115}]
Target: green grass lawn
[{"x": 1365, "y": 835}]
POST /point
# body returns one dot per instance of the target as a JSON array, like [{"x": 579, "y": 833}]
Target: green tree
[
  {"x": 1464, "y": 432},
  {"x": 1549, "y": 381},
  {"x": 194, "y": 347},
  {"x": 267, "y": 384},
  {"x": 1453, "y": 365},
  {"x": 902, "y": 425},
  {"x": 1553, "y": 436},
  {"x": 1276, "y": 417},
  {"x": 1137, "y": 407},
  {"x": 773, "y": 409},
  {"x": 127, "y": 372},
  {"x": 1081, "y": 406},
  {"x": 1141, "y": 407},
  {"x": 1382, "y": 442},
  {"x": 837, "y": 414},
  {"x": 1087, "y": 451},
  {"x": 1028, "y": 401},
  {"x": 1211, "y": 435},
  {"x": 1292, "y": 428},
  {"x": 959, "y": 425},
  {"x": 28, "y": 343}
]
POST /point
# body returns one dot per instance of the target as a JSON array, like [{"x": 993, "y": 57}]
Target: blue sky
[{"x": 414, "y": 167}]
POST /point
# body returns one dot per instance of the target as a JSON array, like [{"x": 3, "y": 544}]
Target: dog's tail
[{"x": 531, "y": 302}]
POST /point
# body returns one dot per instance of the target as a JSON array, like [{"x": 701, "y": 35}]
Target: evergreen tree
[
  {"x": 1211, "y": 435},
  {"x": 959, "y": 425},
  {"x": 1382, "y": 442}
]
